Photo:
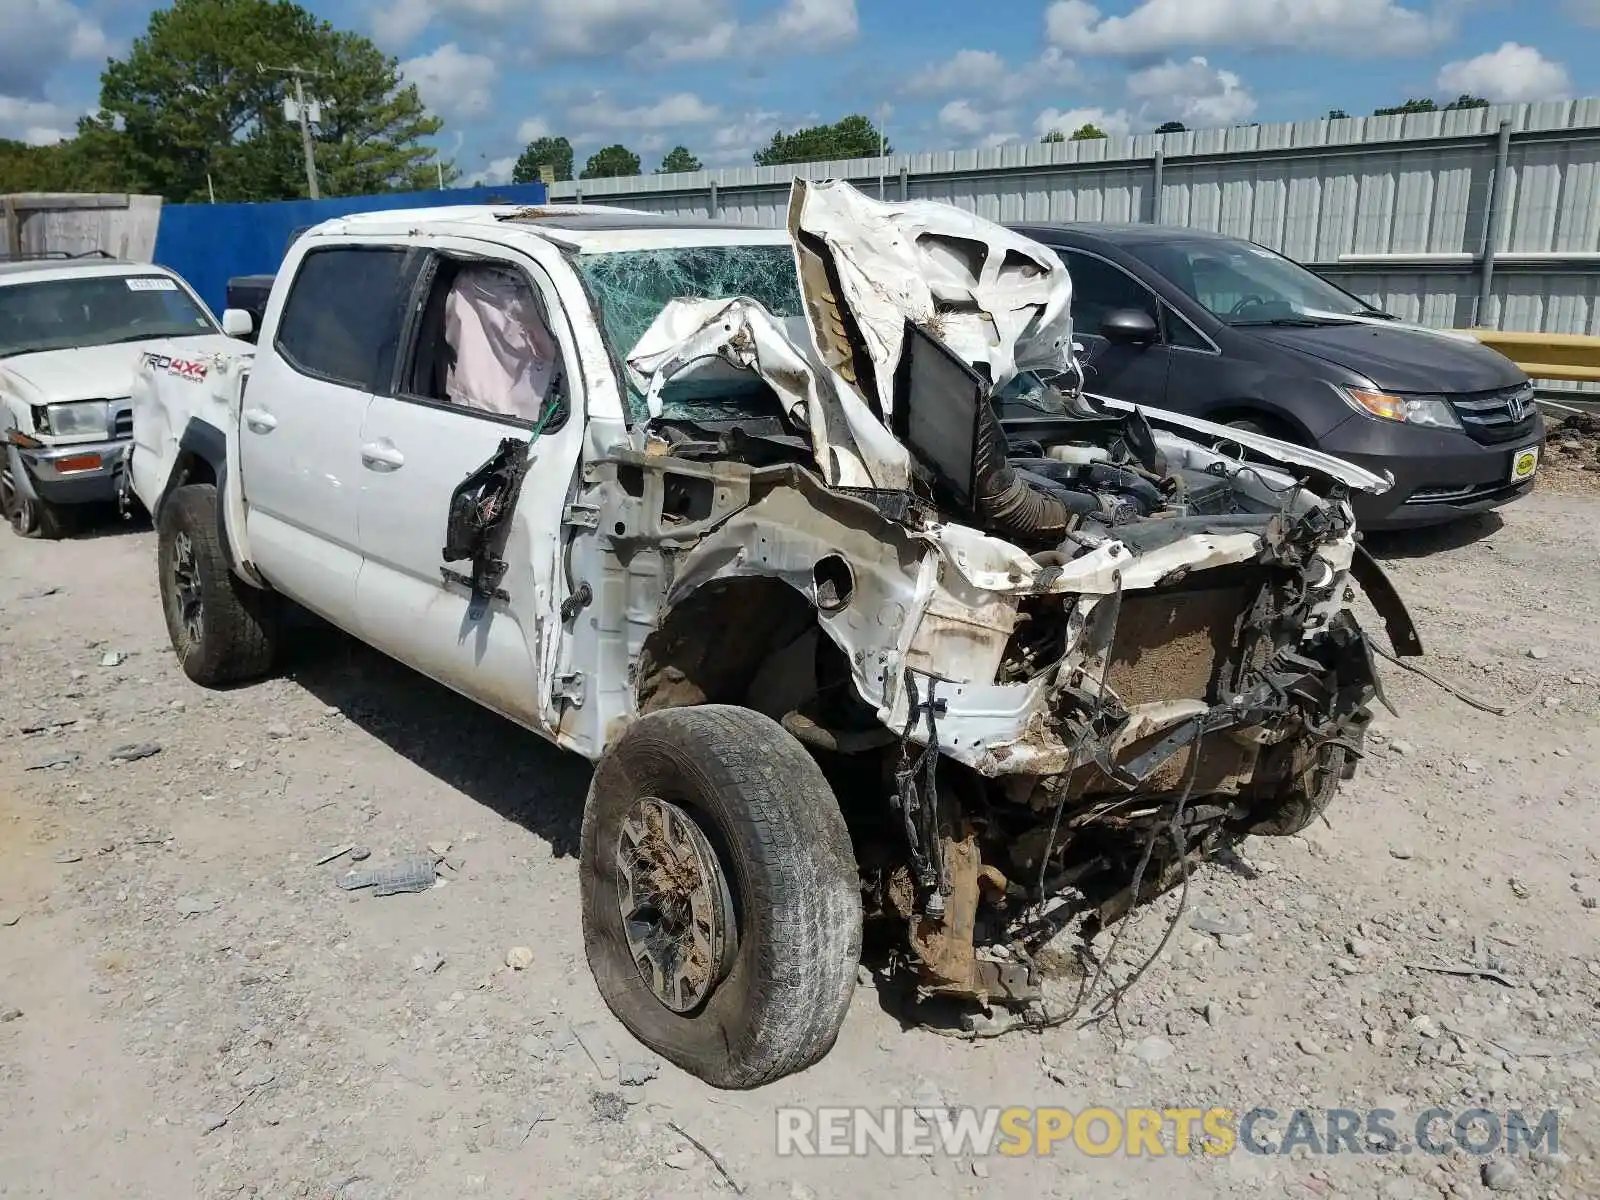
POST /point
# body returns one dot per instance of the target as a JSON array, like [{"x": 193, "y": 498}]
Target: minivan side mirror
[
  {"x": 238, "y": 323},
  {"x": 1130, "y": 326}
]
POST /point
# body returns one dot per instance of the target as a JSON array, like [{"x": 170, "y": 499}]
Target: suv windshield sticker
[{"x": 150, "y": 283}]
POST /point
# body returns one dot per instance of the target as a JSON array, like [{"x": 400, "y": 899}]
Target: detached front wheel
[
  {"x": 222, "y": 629},
  {"x": 721, "y": 900}
]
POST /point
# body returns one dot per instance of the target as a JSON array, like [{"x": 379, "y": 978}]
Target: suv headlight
[
  {"x": 78, "y": 417},
  {"x": 1432, "y": 411}
]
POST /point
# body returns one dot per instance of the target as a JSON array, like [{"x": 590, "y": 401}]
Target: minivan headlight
[
  {"x": 78, "y": 417},
  {"x": 1432, "y": 411}
]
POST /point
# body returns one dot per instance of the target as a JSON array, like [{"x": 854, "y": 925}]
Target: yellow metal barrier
[{"x": 1568, "y": 356}]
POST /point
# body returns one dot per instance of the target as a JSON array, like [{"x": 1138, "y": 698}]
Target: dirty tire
[
  {"x": 1305, "y": 798},
  {"x": 236, "y": 638},
  {"x": 778, "y": 835}
]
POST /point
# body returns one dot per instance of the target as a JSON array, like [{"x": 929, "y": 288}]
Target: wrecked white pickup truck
[{"x": 733, "y": 512}]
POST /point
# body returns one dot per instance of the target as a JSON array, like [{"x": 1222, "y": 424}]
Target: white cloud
[
  {"x": 680, "y": 108},
  {"x": 452, "y": 82},
  {"x": 397, "y": 25},
  {"x": 735, "y": 144},
  {"x": 683, "y": 30},
  {"x": 1322, "y": 26},
  {"x": 532, "y": 129},
  {"x": 1512, "y": 74},
  {"x": 37, "y": 122},
  {"x": 37, "y": 36},
  {"x": 498, "y": 171},
  {"x": 1192, "y": 92},
  {"x": 1112, "y": 122},
  {"x": 962, "y": 116},
  {"x": 985, "y": 73}
]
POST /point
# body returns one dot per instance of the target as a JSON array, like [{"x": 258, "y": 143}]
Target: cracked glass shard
[{"x": 631, "y": 287}]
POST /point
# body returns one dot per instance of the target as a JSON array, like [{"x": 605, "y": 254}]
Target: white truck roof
[{"x": 586, "y": 228}]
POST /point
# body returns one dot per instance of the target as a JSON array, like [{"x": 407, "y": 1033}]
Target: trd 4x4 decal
[{"x": 191, "y": 369}]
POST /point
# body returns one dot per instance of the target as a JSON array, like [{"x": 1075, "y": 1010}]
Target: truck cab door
[
  {"x": 461, "y": 505},
  {"x": 322, "y": 353}
]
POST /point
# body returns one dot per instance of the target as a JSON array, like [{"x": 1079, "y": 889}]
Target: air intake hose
[{"x": 1005, "y": 502}]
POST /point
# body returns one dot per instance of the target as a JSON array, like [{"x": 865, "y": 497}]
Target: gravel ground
[{"x": 191, "y": 1006}]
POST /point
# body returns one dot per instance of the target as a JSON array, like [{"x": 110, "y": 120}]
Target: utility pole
[
  {"x": 883, "y": 143},
  {"x": 307, "y": 147}
]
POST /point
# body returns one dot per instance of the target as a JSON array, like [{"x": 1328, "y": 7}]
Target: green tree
[
  {"x": 544, "y": 152},
  {"x": 1055, "y": 135},
  {"x": 192, "y": 99},
  {"x": 1087, "y": 132},
  {"x": 609, "y": 161},
  {"x": 1337, "y": 114},
  {"x": 1172, "y": 127},
  {"x": 1410, "y": 106},
  {"x": 853, "y": 137},
  {"x": 1466, "y": 101},
  {"x": 679, "y": 159}
]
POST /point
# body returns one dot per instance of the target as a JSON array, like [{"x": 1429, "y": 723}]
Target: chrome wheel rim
[
  {"x": 186, "y": 588},
  {"x": 675, "y": 904}
]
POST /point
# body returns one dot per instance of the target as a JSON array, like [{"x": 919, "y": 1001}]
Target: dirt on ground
[
  {"x": 190, "y": 1005},
  {"x": 1572, "y": 454}
]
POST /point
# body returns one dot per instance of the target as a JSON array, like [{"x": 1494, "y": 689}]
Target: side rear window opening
[{"x": 484, "y": 343}]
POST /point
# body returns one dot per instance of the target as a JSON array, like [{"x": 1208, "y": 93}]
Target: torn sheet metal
[
  {"x": 854, "y": 449},
  {"x": 1001, "y": 301},
  {"x": 1346, "y": 473}
]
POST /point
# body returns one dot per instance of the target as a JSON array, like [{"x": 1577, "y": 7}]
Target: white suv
[
  {"x": 71, "y": 333},
  {"x": 731, "y": 512}
]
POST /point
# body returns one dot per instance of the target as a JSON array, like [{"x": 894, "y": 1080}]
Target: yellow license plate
[{"x": 1524, "y": 463}]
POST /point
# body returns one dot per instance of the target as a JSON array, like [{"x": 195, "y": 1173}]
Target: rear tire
[
  {"x": 768, "y": 977},
  {"x": 222, "y": 629}
]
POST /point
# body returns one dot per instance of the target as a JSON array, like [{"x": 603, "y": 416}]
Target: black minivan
[{"x": 1225, "y": 329}]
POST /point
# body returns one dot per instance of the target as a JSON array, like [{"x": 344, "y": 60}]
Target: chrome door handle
[
  {"x": 260, "y": 420},
  {"x": 379, "y": 456}
]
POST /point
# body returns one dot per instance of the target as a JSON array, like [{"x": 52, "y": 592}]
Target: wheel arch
[
  {"x": 1274, "y": 420},
  {"x": 202, "y": 457}
]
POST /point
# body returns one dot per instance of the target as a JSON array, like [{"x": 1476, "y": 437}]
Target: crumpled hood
[
  {"x": 98, "y": 372},
  {"x": 1001, "y": 301}
]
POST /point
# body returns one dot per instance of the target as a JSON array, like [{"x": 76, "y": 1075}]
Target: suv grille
[
  {"x": 122, "y": 423},
  {"x": 1498, "y": 416}
]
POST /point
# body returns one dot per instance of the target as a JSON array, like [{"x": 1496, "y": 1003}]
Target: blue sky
[{"x": 720, "y": 75}]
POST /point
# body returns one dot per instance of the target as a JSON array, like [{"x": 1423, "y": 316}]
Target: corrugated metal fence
[{"x": 1397, "y": 209}]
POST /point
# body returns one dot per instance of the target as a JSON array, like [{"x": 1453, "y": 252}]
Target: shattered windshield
[{"x": 631, "y": 287}]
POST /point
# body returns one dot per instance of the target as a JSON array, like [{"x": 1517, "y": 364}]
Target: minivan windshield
[
  {"x": 631, "y": 287},
  {"x": 95, "y": 310},
  {"x": 1242, "y": 283}
]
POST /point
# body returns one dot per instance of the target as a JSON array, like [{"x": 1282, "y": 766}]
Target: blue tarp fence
[{"x": 208, "y": 244}]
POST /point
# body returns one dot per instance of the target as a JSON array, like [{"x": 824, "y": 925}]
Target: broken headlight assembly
[
  {"x": 75, "y": 419},
  {"x": 1432, "y": 411}
]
